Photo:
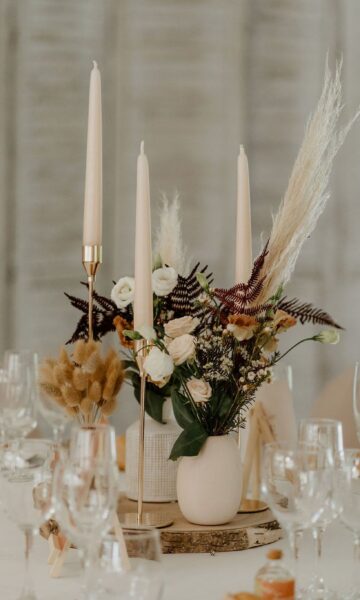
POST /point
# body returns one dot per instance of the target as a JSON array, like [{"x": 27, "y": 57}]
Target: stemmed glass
[
  {"x": 54, "y": 415},
  {"x": 349, "y": 490},
  {"x": 329, "y": 435},
  {"x": 18, "y": 401},
  {"x": 25, "y": 492},
  {"x": 85, "y": 495},
  {"x": 295, "y": 483},
  {"x": 144, "y": 579},
  {"x": 356, "y": 398}
]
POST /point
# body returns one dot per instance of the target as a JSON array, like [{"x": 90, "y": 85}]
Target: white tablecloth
[{"x": 188, "y": 576}]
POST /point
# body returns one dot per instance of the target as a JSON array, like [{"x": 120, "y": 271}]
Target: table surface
[{"x": 187, "y": 576}]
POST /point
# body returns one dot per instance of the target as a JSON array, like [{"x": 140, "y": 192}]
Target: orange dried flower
[
  {"x": 121, "y": 324},
  {"x": 283, "y": 320}
]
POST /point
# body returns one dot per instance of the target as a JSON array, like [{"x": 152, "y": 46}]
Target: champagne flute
[
  {"x": 25, "y": 492},
  {"x": 144, "y": 579},
  {"x": 295, "y": 484},
  {"x": 329, "y": 435}
]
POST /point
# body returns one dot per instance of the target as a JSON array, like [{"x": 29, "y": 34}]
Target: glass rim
[
  {"x": 320, "y": 421},
  {"x": 294, "y": 448}
]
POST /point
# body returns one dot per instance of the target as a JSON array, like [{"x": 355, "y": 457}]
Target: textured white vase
[
  {"x": 209, "y": 485},
  {"x": 159, "y": 472}
]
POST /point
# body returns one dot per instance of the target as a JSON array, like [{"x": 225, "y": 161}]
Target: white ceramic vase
[
  {"x": 209, "y": 484},
  {"x": 159, "y": 472}
]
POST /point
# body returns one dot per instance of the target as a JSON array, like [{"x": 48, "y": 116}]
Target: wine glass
[
  {"x": 329, "y": 435},
  {"x": 54, "y": 415},
  {"x": 18, "y": 402},
  {"x": 142, "y": 577},
  {"x": 25, "y": 492},
  {"x": 349, "y": 489},
  {"x": 295, "y": 484},
  {"x": 85, "y": 495},
  {"x": 356, "y": 398}
]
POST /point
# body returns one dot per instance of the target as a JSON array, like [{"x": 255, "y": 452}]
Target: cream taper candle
[
  {"x": 243, "y": 258},
  {"x": 143, "y": 299},
  {"x": 92, "y": 233}
]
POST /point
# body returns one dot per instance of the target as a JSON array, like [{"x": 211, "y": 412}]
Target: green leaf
[
  {"x": 189, "y": 442},
  {"x": 129, "y": 364},
  {"x": 182, "y": 409},
  {"x": 133, "y": 335}
]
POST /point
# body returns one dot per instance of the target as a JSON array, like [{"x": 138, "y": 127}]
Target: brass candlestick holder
[
  {"x": 158, "y": 519},
  {"x": 91, "y": 259}
]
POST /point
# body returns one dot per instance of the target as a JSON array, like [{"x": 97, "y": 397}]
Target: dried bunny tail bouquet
[{"x": 85, "y": 383}]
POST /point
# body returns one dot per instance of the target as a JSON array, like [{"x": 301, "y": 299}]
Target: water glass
[
  {"x": 144, "y": 579},
  {"x": 295, "y": 483},
  {"x": 328, "y": 434},
  {"x": 19, "y": 397},
  {"x": 85, "y": 495},
  {"x": 25, "y": 492}
]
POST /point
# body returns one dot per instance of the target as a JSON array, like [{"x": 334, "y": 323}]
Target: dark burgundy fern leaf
[
  {"x": 306, "y": 312},
  {"x": 237, "y": 298},
  {"x": 183, "y": 298}
]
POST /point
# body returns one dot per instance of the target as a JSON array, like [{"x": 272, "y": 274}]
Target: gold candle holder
[
  {"x": 158, "y": 519},
  {"x": 91, "y": 259}
]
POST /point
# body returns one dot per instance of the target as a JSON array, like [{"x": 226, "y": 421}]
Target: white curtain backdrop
[{"x": 193, "y": 78}]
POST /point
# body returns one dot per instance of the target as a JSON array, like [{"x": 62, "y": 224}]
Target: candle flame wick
[
  {"x": 142, "y": 147},
  {"x": 242, "y": 149},
  {"x": 95, "y": 65}
]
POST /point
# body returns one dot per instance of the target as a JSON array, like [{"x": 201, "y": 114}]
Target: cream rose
[
  {"x": 158, "y": 365},
  {"x": 182, "y": 348},
  {"x": 123, "y": 292},
  {"x": 199, "y": 389},
  {"x": 180, "y": 326},
  {"x": 164, "y": 280}
]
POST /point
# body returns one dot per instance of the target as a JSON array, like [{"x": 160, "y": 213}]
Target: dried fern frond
[
  {"x": 305, "y": 312},
  {"x": 183, "y": 300},
  {"x": 241, "y": 297},
  {"x": 307, "y": 193},
  {"x": 169, "y": 246}
]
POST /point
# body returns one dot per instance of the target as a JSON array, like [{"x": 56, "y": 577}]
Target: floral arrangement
[
  {"x": 84, "y": 384},
  {"x": 212, "y": 348}
]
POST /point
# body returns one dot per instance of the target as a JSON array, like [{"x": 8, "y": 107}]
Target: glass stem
[
  {"x": 356, "y": 561},
  {"x": 318, "y": 580},
  {"x": 295, "y": 537},
  {"x": 57, "y": 434},
  {"x": 28, "y": 586},
  {"x": 90, "y": 557}
]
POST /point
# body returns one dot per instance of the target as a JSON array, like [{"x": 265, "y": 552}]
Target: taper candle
[
  {"x": 243, "y": 258},
  {"x": 143, "y": 299},
  {"x": 92, "y": 233}
]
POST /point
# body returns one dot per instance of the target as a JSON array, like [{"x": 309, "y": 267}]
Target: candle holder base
[{"x": 157, "y": 520}]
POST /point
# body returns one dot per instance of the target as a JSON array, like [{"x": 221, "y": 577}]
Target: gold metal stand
[
  {"x": 91, "y": 259},
  {"x": 140, "y": 519}
]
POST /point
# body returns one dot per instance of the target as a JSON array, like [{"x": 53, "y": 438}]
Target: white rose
[
  {"x": 180, "y": 326},
  {"x": 199, "y": 389},
  {"x": 164, "y": 280},
  {"x": 182, "y": 348},
  {"x": 158, "y": 365},
  {"x": 123, "y": 292}
]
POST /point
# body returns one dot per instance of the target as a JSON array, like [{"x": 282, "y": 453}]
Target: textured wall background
[{"x": 194, "y": 78}]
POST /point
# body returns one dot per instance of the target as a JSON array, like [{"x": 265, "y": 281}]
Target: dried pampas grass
[
  {"x": 169, "y": 246},
  {"x": 307, "y": 193}
]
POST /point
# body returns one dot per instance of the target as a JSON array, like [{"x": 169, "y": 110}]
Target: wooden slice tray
[{"x": 245, "y": 531}]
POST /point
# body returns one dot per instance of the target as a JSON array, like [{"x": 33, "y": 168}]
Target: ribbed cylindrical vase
[
  {"x": 159, "y": 472},
  {"x": 209, "y": 484}
]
